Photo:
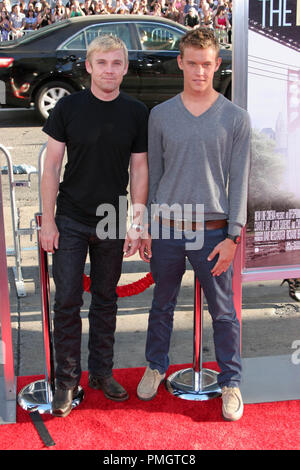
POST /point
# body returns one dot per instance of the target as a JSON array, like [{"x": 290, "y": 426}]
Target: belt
[{"x": 187, "y": 225}]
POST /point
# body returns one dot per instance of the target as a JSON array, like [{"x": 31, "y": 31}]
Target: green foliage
[{"x": 266, "y": 177}]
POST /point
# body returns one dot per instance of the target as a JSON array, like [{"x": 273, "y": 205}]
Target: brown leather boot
[
  {"x": 62, "y": 401},
  {"x": 110, "y": 387}
]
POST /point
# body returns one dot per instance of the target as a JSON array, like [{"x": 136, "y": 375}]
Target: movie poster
[{"x": 273, "y": 227}]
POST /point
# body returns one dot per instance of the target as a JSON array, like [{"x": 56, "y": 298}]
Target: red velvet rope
[{"x": 129, "y": 289}]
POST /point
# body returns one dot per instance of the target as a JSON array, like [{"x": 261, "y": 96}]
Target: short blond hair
[{"x": 106, "y": 43}]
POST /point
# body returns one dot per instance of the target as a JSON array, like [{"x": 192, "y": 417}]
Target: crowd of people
[{"x": 19, "y": 18}]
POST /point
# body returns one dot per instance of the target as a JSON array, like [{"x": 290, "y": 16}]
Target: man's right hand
[
  {"x": 145, "y": 247},
  {"x": 49, "y": 235}
]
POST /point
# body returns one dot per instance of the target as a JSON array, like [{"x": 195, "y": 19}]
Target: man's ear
[
  {"x": 179, "y": 62},
  {"x": 218, "y": 63},
  {"x": 126, "y": 69},
  {"x": 88, "y": 66}
]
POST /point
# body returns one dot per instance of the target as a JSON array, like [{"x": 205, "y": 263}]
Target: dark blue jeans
[
  {"x": 167, "y": 267},
  {"x": 75, "y": 241}
]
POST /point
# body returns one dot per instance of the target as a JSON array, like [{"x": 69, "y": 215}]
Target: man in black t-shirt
[{"x": 104, "y": 131}]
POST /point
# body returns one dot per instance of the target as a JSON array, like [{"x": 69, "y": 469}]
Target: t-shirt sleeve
[
  {"x": 54, "y": 125},
  {"x": 140, "y": 143}
]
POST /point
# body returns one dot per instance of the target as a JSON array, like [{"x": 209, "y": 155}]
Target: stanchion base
[
  {"x": 188, "y": 385},
  {"x": 37, "y": 396}
]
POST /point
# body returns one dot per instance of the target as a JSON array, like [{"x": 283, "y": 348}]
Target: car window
[
  {"x": 158, "y": 37},
  {"x": 121, "y": 30},
  {"x": 77, "y": 42}
]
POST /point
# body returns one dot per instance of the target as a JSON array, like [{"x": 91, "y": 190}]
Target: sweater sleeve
[
  {"x": 155, "y": 158},
  {"x": 239, "y": 175}
]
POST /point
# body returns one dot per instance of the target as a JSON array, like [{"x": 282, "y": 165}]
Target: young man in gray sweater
[{"x": 199, "y": 153}]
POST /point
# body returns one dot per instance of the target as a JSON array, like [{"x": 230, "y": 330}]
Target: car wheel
[{"x": 49, "y": 95}]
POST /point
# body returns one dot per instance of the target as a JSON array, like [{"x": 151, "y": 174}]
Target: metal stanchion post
[
  {"x": 37, "y": 396},
  {"x": 195, "y": 383},
  {"x": 17, "y": 269}
]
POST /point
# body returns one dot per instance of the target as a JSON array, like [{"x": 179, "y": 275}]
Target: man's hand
[
  {"x": 49, "y": 235},
  {"x": 132, "y": 242},
  {"x": 226, "y": 251},
  {"x": 145, "y": 247},
  {"x": 49, "y": 188}
]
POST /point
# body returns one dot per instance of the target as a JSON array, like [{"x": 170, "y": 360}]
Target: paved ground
[{"x": 270, "y": 319}]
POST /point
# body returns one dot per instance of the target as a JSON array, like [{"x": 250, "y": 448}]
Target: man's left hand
[{"x": 226, "y": 251}]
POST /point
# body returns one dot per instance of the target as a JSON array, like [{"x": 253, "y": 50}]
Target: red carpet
[{"x": 165, "y": 423}]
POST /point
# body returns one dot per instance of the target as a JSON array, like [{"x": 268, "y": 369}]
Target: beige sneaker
[
  {"x": 233, "y": 407},
  {"x": 148, "y": 386}
]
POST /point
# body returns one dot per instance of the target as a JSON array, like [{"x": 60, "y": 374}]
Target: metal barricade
[
  {"x": 222, "y": 35},
  {"x": 11, "y": 36},
  {"x": 17, "y": 231},
  {"x": 41, "y": 159}
]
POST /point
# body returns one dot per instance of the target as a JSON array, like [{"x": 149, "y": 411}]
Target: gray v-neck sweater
[{"x": 201, "y": 160}]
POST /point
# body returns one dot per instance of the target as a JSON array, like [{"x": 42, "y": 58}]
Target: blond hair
[{"x": 106, "y": 43}]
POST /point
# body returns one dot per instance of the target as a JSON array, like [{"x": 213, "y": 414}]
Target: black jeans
[{"x": 75, "y": 241}]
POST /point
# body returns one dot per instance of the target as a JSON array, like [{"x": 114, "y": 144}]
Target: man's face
[
  {"x": 107, "y": 69},
  {"x": 199, "y": 67}
]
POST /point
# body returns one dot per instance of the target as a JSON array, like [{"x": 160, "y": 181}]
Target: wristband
[{"x": 137, "y": 227}]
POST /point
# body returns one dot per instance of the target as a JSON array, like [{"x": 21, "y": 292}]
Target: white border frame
[
  {"x": 5, "y": 321},
  {"x": 240, "y": 97}
]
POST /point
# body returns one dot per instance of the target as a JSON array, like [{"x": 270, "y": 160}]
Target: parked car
[{"x": 45, "y": 65}]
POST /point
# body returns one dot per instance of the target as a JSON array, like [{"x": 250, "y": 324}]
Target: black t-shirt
[{"x": 100, "y": 137}]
